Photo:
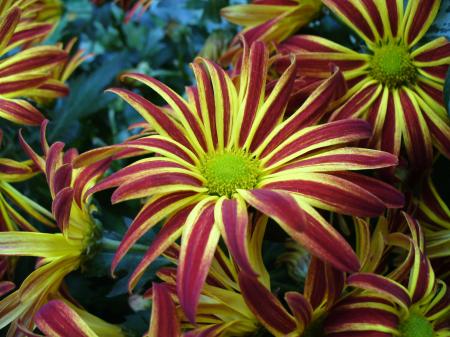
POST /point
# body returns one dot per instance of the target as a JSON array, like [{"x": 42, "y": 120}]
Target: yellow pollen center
[
  {"x": 392, "y": 66},
  {"x": 225, "y": 172},
  {"x": 416, "y": 325}
]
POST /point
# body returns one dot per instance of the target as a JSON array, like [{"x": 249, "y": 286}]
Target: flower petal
[
  {"x": 265, "y": 306},
  {"x": 304, "y": 225},
  {"x": 419, "y": 15},
  {"x": 355, "y": 16},
  {"x": 189, "y": 120},
  {"x": 232, "y": 218},
  {"x": 57, "y": 319},
  {"x": 155, "y": 210},
  {"x": 380, "y": 284},
  {"x": 198, "y": 245},
  {"x": 164, "y": 319},
  {"x": 170, "y": 232},
  {"x": 317, "y": 137}
]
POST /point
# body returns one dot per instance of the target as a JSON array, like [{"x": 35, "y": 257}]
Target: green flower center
[
  {"x": 416, "y": 325},
  {"x": 392, "y": 66},
  {"x": 225, "y": 172}
]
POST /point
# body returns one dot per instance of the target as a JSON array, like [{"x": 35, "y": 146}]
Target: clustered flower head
[{"x": 330, "y": 146}]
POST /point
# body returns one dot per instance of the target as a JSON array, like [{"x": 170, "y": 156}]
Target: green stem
[{"x": 110, "y": 245}]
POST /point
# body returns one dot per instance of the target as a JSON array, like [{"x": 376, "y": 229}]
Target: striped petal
[
  {"x": 347, "y": 158},
  {"x": 139, "y": 169},
  {"x": 20, "y": 112},
  {"x": 266, "y": 307},
  {"x": 198, "y": 245},
  {"x": 35, "y": 58},
  {"x": 359, "y": 102},
  {"x": 57, "y": 319},
  {"x": 160, "y": 183},
  {"x": 273, "y": 108},
  {"x": 363, "y": 318},
  {"x": 390, "y": 196},
  {"x": 308, "y": 114},
  {"x": 422, "y": 279},
  {"x": 419, "y": 15},
  {"x": 251, "y": 90},
  {"x": 317, "y": 137},
  {"x": 382, "y": 285},
  {"x": 304, "y": 225},
  {"x": 164, "y": 319},
  {"x": 225, "y": 101},
  {"x": 433, "y": 53},
  {"x": 189, "y": 120},
  {"x": 155, "y": 116},
  {"x": 439, "y": 128},
  {"x": 8, "y": 24},
  {"x": 314, "y": 55},
  {"x": 168, "y": 234},
  {"x": 300, "y": 307},
  {"x": 61, "y": 207},
  {"x": 329, "y": 192},
  {"x": 356, "y": 16},
  {"x": 415, "y": 132},
  {"x": 155, "y": 210},
  {"x": 232, "y": 218}
]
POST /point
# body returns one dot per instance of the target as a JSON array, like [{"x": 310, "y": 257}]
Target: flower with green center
[
  {"x": 397, "y": 85},
  {"x": 270, "y": 21},
  {"x": 26, "y": 73},
  {"x": 228, "y": 148},
  {"x": 382, "y": 306},
  {"x": 60, "y": 253}
]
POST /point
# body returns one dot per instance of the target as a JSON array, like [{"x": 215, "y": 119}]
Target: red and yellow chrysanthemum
[
  {"x": 386, "y": 308},
  {"x": 27, "y": 72},
  {"x": 270, "y": 21},
  {"x": 59, "y": 253},
  {"x": 397, "y": 86},
  {"x": 229, "y": 148}
]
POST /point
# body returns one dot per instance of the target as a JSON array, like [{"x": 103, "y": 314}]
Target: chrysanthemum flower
[
  {"x": 59, "y": 253},
  {"x": 396, "y": 85},
  {"x": 386, "y": 308},
  {"x": 22, "y": 74},
  {"x": 270, "y": 21},
  {"x": 230, "y": 149},
  {"x": 60, "y": 318},
  {"x": 222, "y": 310}
]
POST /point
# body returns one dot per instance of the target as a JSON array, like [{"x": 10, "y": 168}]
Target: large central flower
[{"x": 230, "y": 147}]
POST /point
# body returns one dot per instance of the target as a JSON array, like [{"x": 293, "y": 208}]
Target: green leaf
[{"x": 86, "y": 97}]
